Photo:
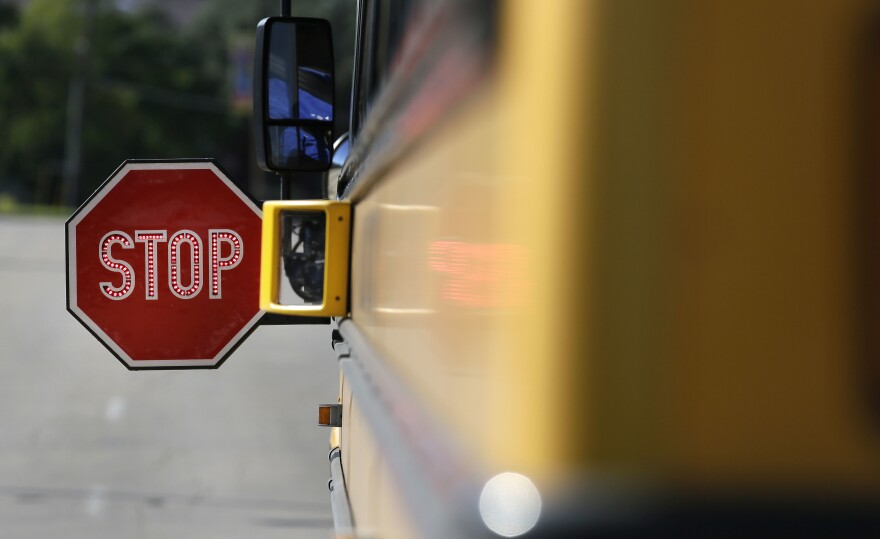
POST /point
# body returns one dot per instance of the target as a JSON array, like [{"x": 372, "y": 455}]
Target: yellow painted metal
[
  {"x": 764, "y": 365},
  {"x": 375, "y": 497},
  {"x": 469, "y": 257},
  {"x": 540, "y": 366},
  {"x": 336, "y": 261},
  {"x": 635, "y": 249}
]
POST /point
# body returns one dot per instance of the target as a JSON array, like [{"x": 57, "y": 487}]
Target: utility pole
[{"x": 76, "y": 95}]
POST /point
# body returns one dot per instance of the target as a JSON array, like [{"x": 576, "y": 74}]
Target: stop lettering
[
  {"x": 163, "y": 264},
  {"x": 185, "y": 256}
]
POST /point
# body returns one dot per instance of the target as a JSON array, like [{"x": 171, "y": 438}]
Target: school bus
[{"x": 606, "y": 267}]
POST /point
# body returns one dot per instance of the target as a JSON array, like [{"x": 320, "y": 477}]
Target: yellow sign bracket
[{"x": 337, "y": 216}]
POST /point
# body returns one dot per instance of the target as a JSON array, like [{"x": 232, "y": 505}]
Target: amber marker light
[{"x": 330, "y": 415}]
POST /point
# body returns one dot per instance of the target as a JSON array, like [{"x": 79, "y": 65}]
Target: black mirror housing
[{"x": 294, "y": 88}]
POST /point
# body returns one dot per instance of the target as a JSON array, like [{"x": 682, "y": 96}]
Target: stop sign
[{"x": 163, "y": 264}]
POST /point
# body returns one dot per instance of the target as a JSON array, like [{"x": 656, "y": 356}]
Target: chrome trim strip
[{"x": 343, "y": 523}]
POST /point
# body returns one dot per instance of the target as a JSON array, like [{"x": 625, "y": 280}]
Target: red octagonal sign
[{"x": 163, "y": 264}]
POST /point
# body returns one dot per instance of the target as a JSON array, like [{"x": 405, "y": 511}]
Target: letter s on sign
[{"x": 124, "y": 268}]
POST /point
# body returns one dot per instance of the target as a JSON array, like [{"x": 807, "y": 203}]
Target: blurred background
[
  {"x": 88, "y": 449},
  {"x": 85, "y": 84}
]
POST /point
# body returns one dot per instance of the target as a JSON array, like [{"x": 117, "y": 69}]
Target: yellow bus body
[{"x": 628, "y": 258}]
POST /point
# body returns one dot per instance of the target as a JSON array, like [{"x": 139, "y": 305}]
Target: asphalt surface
[{"x": 91, "y": 450}]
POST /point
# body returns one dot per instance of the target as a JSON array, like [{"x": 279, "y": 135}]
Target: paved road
[{"x": 90, "y": 450}]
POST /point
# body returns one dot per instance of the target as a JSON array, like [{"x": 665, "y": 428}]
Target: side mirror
[{"x": 293, "y": 94}]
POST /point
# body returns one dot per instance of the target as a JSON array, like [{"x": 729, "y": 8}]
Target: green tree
[
  {"x": 152, "y": 90},
  {"x": 35, "y": 59}
]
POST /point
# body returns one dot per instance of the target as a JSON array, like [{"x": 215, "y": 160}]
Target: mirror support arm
[
  {"x": 308, "y": 186},
  {"x": 286, "y": 180}
]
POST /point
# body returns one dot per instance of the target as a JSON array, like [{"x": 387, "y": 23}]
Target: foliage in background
[{"x": 153, "y": 89}]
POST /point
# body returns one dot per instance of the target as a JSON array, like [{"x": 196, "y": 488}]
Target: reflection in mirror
[
  {"x": 300, "y": 73},
  {"x": 303, "y": 241},
  {"x": 306, "y": 103},
  {"x": 291, "y": 146},
  {"x": 295, "y": 88}
]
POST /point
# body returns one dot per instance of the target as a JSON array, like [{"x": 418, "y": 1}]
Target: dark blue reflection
[
  {"x": 314, "y": 95},
  {"x": 279, "y": 100},
  {"x": 300, "y": 146}
]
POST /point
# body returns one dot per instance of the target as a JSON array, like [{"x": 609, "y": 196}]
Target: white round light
[{"x": 510, "y": 504}]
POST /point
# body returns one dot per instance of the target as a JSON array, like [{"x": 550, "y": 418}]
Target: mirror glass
[
  {"x": 297, "y": 148},
  {"x": 299, "y": 72},
  {"x": 303, "y": 243},
  {"x": 294, "y": 111}
]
